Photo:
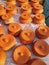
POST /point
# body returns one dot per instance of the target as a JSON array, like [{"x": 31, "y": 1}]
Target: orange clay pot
[
  {"x": 2, "y": 10},
  {"x": 1, "y": 30},
  {"x": 2, "y": 57},
  {"x": 39, "y": 19},
  {"x": 21, "y": 54},
  {"x": 21, "y": 2},
  {"x": 41, "y": 48},
  {"x": 26, "y": 8},
  {"x": 42, "y": 32},
  {"x": 11, "y": 9},
  {"x": 1, "y": 5},
  {"x": 7, "y": 18},
  {"x": 14, "y": 29},
  {"x": 13, "y": 2},
  {"x": 25, "y": 18},
  {"x": 37, "y": 9},
  {"x": 7, "y": 41},
  {"x": 27, "y": 36},
  {"x": 32, "y": 2},
  {"x": 21, "y": 64},
  {"x": 36, "y": 61}
]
